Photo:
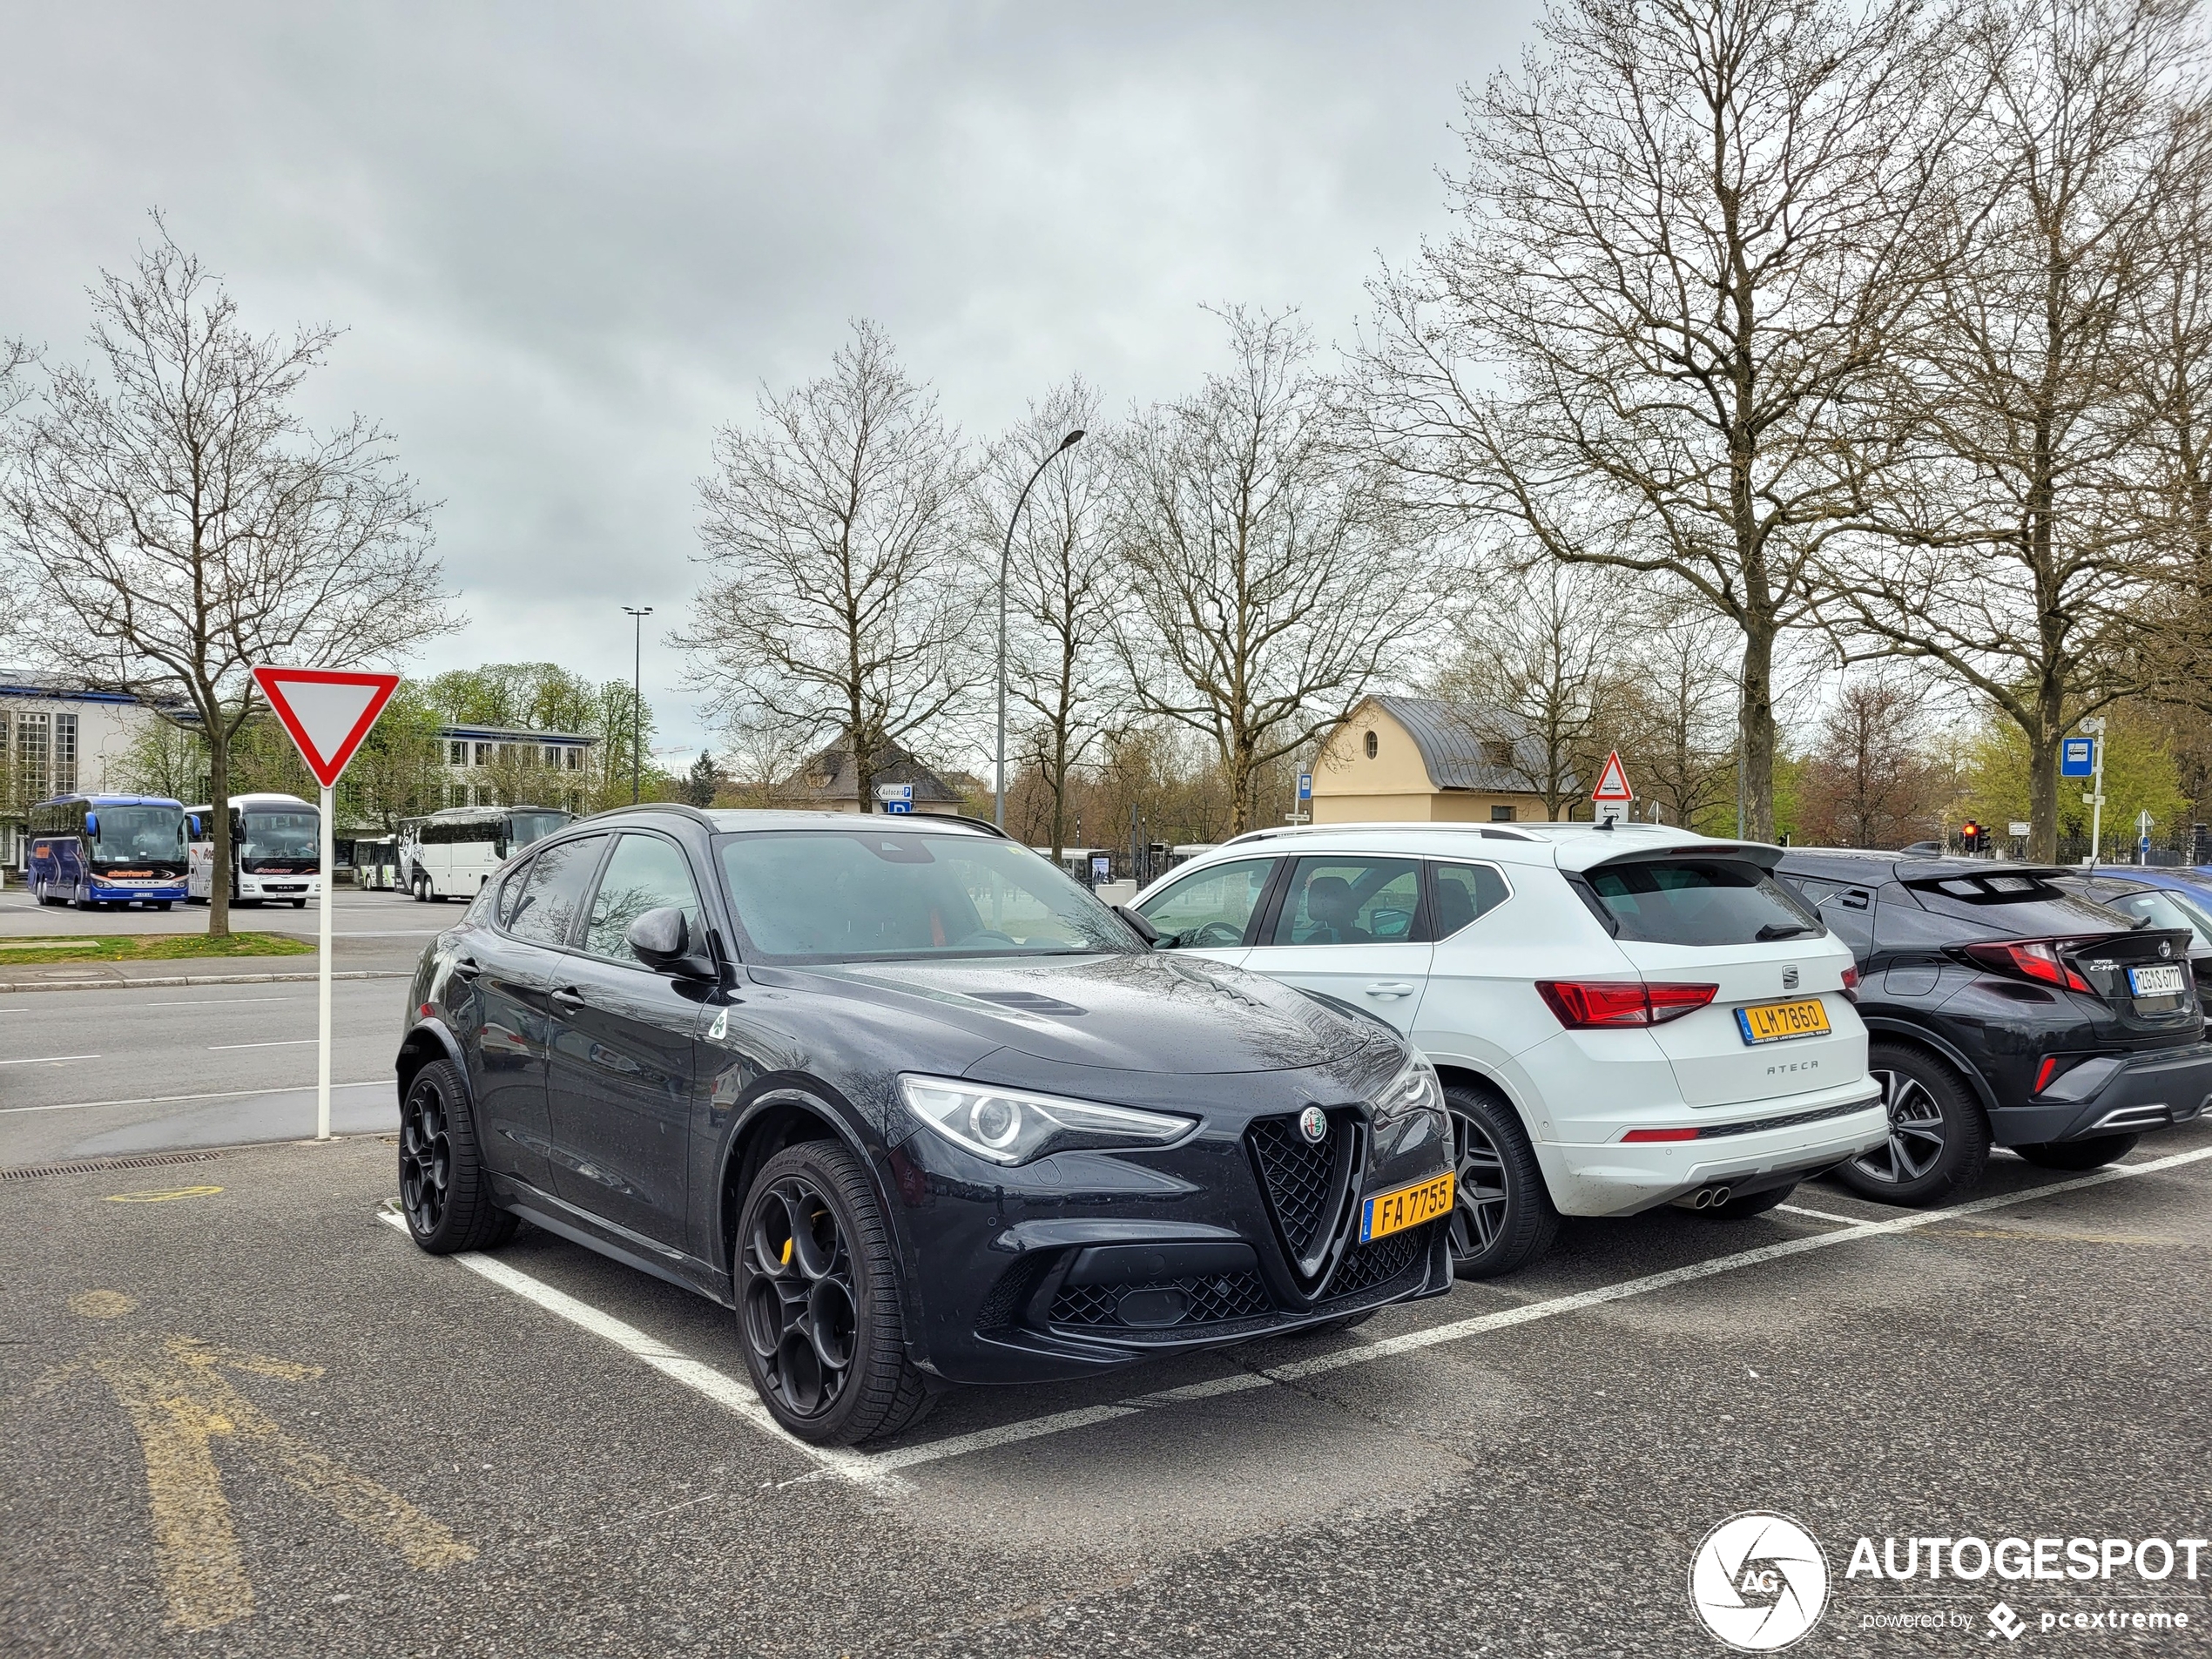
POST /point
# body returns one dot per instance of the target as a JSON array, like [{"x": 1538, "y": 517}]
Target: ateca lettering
[{"x": 2046, "y": 1558}]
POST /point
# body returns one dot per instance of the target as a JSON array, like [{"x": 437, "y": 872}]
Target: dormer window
[{"x": 1498, "y": 753}]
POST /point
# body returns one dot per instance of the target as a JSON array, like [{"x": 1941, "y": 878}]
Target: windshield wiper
[{"x": 1782, "y": 930}]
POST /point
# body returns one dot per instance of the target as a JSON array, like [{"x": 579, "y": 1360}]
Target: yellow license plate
[
  {"x": 1780, "y": 1021},
  {"x": 1392, "y": 1212}
]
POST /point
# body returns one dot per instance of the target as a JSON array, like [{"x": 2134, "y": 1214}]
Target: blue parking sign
[{"x": 2077, "y": 756}]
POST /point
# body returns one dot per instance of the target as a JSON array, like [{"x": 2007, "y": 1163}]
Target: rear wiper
[{"x": 1783, "y": 930}]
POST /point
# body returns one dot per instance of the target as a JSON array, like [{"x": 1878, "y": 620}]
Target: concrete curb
[{"x": 173, "y": 979}]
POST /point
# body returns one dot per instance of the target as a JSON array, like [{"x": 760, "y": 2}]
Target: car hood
[{"x": 1156, "y": 1012}]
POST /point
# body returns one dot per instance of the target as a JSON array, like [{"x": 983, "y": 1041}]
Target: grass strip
[{"x": 149, "y": 947}]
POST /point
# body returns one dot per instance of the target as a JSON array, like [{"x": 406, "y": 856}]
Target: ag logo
[
  {"x": 1313, "y": 1123},
  {"x": 1758, "y": 1582}
]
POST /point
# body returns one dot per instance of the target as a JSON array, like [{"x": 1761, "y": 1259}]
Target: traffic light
[{"x": 1972, "y": 836}]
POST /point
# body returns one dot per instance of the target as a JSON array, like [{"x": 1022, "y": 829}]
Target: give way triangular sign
[
  {"x": 1613, "y": 782},
  {"x": 328, "y": 711}
]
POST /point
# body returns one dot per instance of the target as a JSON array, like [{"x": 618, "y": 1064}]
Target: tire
[
  {"x": 1502, "y": 1218},
  {"x": 1754, "y": 1203},
  {"x": 816, "y": 1278},
  {"x": 161, "y": 904},
  {"x": 299, "y": 904},
  {"x": 2091, "y": 1154},
  {"x": 1938, "y": 1141},
  {"x": 444, "y": 1191}
]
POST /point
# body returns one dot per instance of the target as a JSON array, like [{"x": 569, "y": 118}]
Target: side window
[
  {"x": 510, "y": 893},
  {"x": 1849, "y": 911},
  {"x": 545, "y": 911},
  {"x": 1349, "y": 899},
  {"x": 645, "y": 873},
  {"x": 1464, "y": 892},
  {"x": 1210, "y": 906}
]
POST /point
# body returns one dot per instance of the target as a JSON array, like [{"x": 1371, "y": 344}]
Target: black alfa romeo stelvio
[{"x": 915, "y": 1104}]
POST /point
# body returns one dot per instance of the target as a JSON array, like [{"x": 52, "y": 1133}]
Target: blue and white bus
[
  {"x": 276, "y": 851},
  {"x": 89, "y": 850}
]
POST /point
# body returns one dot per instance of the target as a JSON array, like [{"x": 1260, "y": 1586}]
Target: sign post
[
  {"x": 1611, "y": 797},
  {"x": 2071, "y": 765},
  {"x": 327, "y": 712}
]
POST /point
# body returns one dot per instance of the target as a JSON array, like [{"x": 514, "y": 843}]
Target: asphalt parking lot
[{"x": 247, "y": 1416}]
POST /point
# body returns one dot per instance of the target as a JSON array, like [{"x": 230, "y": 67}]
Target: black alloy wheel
[
  {"x": 818, "y": 1299},
  {"x": 2093, "y": 1153},
  {"x": 1502, "y": 1218},
  {"x": 443, "y": 1190},
  {"x": 1939, "y": 1138}
]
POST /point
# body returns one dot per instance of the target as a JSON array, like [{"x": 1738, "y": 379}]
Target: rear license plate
[
  {"x": 1780, "y": 1021},
  {"x": 1392, "y": 1212},
  {"x": 2160, "y": 979}
]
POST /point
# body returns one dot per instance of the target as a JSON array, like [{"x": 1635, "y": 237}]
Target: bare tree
[
  {"x": 1539, "y": 678},
  {"x": 1686, "y": 232},
  {"x": 1679, "y": 715},
  {"x": 179, "y": 523},
  {"x": 1869, "y": 781},
  {"x": 2020, "y": 516},
  {"x": 1270, "y": 582},
  {"x": 1063, "y": 587},
  {"x": 833, "y": 528}
]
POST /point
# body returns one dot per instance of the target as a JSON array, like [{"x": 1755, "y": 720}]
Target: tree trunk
[
  {"x": 219, "y": 789},
  {"x": 1756, "y": 732},
  {"x": 2043, "y": 797}
]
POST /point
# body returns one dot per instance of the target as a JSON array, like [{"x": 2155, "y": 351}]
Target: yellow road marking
[
  {"x": 163, "y": 1195},
  {"x": 180, "y": 1406}
]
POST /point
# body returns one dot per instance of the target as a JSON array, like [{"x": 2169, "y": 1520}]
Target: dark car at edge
[
  {"x": 2006, "y": 1010},
  {"x": 910, "y": 1101}
]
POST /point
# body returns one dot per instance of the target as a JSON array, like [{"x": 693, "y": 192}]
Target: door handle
[
  {"x": 568, "y": 997},
  {"x": 1390, "y": 987}
]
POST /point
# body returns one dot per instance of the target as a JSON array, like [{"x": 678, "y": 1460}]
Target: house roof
[
  {"x": 513, "y": 734},
  {"x": 16, "y": 682},
  {"x": 1450, "y": 737},
  {"x": 830, "y": 776}
]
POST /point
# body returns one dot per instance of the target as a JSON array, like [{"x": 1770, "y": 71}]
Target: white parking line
[
  {"x": 880, "y": 1466},
  {"x": 286, "y": 1043},
  {"x": 173, "y": 1099},
  {"x": 1818, "y": 1215},
  {"x": 723, "y": 1390},
  {"x": 48, "y": 1060}
]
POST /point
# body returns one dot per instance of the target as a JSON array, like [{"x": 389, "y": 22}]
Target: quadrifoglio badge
[{"x": 1760, "y": 1582}]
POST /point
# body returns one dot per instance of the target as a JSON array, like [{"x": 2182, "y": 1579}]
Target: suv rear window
[
  {"x": 2025, "y": 906},
  {"x": 1696, "y": 901}
]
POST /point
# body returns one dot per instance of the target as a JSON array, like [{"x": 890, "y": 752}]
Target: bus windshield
[
  {"x": 290, "y": 836},
  {"x": 531, "y": 826},
  {"x": 139, "y": 835}
]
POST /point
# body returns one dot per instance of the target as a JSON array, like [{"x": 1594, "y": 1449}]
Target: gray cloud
[{"x": 568, "y": 242}]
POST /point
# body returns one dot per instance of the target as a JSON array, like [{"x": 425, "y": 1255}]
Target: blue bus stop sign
[
  {"x": 1306, "y": 786},
  {"x": 2077, "y": 756}
]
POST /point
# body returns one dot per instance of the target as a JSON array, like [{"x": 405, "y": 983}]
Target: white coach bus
[
  {"x": 276, "y": 851},
  {"x": 451, "y": 855}
]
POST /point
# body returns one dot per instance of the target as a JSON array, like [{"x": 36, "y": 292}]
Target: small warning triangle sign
[
  {"x": 1613, "y": 782},
  {"x": 328, "y": 711}
]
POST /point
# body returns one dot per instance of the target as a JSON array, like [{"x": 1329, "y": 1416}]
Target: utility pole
[{"x": 636, "y": 696}]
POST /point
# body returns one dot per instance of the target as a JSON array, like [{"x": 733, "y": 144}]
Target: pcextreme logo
[{"x": 1758, "y": 1582}]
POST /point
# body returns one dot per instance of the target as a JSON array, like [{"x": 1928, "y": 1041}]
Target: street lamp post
[
  {"x": 637, "y": 616},
  {"x": 1005, "y": 557}
]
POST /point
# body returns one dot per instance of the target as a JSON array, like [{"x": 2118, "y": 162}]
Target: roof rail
[{"x": 684, "y": 807}]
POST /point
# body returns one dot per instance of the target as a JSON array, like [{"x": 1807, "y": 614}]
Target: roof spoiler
[{"x": 1588, "y": 853}]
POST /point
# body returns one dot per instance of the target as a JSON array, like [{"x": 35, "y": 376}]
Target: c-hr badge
[{"x": 1313, "y": 1123}]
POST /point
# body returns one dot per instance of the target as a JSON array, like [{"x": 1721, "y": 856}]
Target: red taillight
[
  {"x": 1660, "y": 1134},
  {"x": 1850, "y": 983},
  {"x": 2030, "y": 959},
  {"x": 1597, "y": 1004}
]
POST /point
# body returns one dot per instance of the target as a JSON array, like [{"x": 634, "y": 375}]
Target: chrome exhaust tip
[
  {"x": 1703, "y": 1198},
  {"x": 1720, "y": 1196}
]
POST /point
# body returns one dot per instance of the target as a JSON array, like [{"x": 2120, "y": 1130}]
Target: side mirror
[
  {"x": 662, "y": 940},
  {"x": 92, "y": 825},
  {"x": 192, "y": 820},
  {"x": 1137, "y": 924}
]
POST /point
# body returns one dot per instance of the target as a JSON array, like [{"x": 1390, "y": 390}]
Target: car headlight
[
  {"x": 1416, "y": 1089},
  {"x": 1013, "y": 1126}
]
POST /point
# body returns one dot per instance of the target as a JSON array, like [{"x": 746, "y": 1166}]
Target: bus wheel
[
  {"x": 161, "y": 904},
  {"x": 299, "y": 904}
]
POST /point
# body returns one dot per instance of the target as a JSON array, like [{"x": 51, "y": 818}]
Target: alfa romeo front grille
[
  {"x": 1383, "y": 1260},
  {"x": 1208, "y": 1299},
  {"x": 1297, "y": 1173}
]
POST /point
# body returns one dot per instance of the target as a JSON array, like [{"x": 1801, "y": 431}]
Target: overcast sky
[{"x": 567, "y": 242}]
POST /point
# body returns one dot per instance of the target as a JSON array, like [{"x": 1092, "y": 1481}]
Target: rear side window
[
  {"x": 1698, "y": 902},
  {"x": 1463, "y": 893},
  {"x": 545, "y": 911}
]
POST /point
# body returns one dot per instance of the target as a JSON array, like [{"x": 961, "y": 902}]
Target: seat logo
[
  {"x": 1313, "y": 1123},
  {"x": 1758, "y": 1582},
  {"x": 1789, "y": 977}
]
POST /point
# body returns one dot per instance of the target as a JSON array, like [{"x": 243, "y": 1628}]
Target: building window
[
  {"x": 576, "y": 761},
  {"x": 484, "y": 753},
  {"x": 32, "y": 755},
  {"x": 64, "y": 754},
  {"x": 1502, "y": 814},
  {"x": 1372, "y": 746},
  {"x": 1498, "y": 753}
]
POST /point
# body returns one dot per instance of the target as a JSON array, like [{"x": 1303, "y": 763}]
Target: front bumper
[
  {"x": 1809, "y": 1135},
  {"x": 1086, "y": 1261},
  {"x": 2113, "y": 1094}
]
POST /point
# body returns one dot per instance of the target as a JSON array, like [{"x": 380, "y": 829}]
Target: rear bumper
[
  {"x": 2112, "y": 1095},
  {"x": 1620, "y": 1178}
]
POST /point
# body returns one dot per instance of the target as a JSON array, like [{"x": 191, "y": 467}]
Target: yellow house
[{"x": 1416, "y": 759}]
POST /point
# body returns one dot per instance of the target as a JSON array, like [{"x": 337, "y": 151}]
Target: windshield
[
  {"x": 830, "y": 895},
  {"x": 279, "y": 835},
  {"x": 137, "y": 835},
  {"x": 1705, "y": 902}
]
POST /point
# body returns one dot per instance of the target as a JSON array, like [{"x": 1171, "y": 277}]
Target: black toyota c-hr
[
  {"x": 2004, "y": 1009},
  {"x": 913, "y": 1103}
]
